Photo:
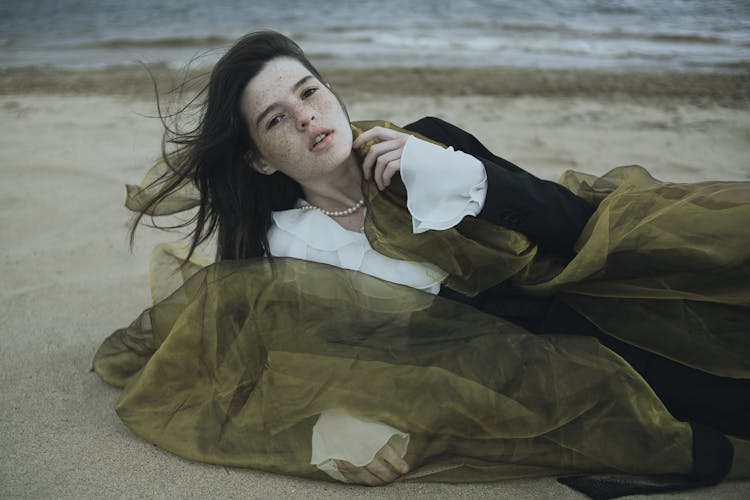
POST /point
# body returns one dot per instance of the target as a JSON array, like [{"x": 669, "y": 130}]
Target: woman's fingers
[
  {"x": 375, "y": 134},
  {"x": 376, "y": 151},
  {"x": 389, "y": 455},
  {"x": 382, "y": 471},
  {"x": 359, "y": 475},
  {"x": 390, "y": 171},
  {"x": 383, "y": 159},
  {"x": 386, "y": 166}
]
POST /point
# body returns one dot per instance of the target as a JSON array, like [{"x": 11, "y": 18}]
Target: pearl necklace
[{"x": 336, "y": 213}]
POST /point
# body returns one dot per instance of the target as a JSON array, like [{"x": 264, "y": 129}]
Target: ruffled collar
[
  {"x": 315, "y": 228},
  {"x": 312, "y": 235}
]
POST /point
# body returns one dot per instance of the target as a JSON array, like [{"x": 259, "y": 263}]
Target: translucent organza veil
[{"x": 234, "y": 365}]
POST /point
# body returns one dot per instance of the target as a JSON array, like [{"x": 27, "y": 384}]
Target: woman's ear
[
  {"x": 263, "y": 167},
  {"x": 260, "y": 165}
]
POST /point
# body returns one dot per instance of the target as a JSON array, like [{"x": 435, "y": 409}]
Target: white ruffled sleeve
[
  {"x": 340, "y": 436},
  {"x": 442, "y": 185}
]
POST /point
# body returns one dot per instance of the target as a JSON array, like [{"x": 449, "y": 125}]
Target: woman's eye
[
  {"x": 307, "y": 93},
  {"x": 273, "y": 121}
]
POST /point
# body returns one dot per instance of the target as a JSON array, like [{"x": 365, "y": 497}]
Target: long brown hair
[{"x": 215, "y": 156}]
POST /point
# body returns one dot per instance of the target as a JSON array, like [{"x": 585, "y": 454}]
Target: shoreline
[{"x": 727, "y": 89}]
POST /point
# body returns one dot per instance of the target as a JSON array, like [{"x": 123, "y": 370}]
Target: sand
[{"x": 71, "y": 140}]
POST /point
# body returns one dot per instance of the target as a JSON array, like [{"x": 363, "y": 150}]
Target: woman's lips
[{"x": 327, "y": 140}]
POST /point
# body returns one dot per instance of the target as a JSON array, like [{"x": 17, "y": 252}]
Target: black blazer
[
  {"x": 553, "y": 217},
  {"x": 546, "y": 212},
  {"x": 549, "y": 215}
]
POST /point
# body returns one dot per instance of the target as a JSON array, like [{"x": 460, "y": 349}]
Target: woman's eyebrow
[{"x": 297, "y": 85}]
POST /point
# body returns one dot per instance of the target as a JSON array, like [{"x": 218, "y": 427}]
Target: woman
[{"x": 282, "y": 173}]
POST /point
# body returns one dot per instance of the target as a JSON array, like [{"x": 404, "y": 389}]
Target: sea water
[{"x": 671, "y": 35}]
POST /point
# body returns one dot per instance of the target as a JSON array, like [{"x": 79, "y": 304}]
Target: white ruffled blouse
[
  {"x": 443, "y": 186},
  {"x": 314, "y": 236}
]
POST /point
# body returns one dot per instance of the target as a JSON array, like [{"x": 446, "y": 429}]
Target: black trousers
[{"x": 690, "y": 395}]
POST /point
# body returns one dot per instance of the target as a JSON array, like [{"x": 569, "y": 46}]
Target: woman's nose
[{"x": 304, "y": 116}]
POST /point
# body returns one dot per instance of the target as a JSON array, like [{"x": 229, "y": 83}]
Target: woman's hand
[
  {"x": 385, "y": 468},
  {"x": 383, "y": 159}
]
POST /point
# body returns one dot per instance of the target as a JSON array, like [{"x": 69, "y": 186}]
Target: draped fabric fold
[
  {"x": 245, "y": 355},
  {"x": 663, "y": 266},
  {"x": 236, "y": 364}
]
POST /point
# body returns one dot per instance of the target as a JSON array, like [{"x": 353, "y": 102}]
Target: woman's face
[{"x": 296, "y": 122}]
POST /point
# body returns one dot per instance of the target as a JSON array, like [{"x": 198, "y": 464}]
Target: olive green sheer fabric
[
  {"x": 236, "y": 364},
  {"x": 476, "y": 254},
  {"x": 663, "y": 266}
]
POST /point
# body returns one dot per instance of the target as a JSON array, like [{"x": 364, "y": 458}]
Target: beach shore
[
  {"x": 135, "y": 81},
  {"x": 72, "y": 139}
]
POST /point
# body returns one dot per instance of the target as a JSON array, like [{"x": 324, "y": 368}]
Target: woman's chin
[{"x": 339, "y": 154}]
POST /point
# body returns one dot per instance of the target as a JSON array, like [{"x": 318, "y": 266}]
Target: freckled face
[{"x": 297, "y": 123}]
